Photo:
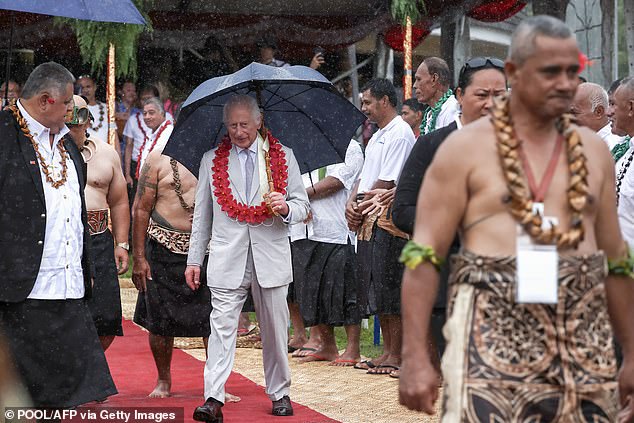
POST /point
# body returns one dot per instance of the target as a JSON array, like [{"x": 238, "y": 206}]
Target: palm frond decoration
[
  {"x": 401, "y": 9},
  {"x": 94, "y": 39}
]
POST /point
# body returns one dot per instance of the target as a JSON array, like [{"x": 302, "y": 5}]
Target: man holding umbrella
[{"x": 250, "y": 187}]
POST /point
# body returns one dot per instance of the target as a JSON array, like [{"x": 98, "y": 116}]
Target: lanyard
[{"x": 539, "y": 192}]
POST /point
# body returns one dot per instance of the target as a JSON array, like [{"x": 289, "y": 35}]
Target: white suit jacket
[{"x": 230, "y": 239}]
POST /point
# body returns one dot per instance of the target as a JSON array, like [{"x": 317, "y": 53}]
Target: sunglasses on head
[
  {"x": 479, "y": 63},
  {"x": 78, "y": 116}
]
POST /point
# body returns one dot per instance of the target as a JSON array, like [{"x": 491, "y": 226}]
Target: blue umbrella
[
  {"x": 301, "y": 108},
  {"x": 119, "y": 11}
]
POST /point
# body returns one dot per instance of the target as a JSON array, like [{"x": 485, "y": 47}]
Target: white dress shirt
[
  {"x": 386, "y": 153},
  {"x": 136, "y": 129},
  {"x": 606, "y": 135},
  {"x": 626, "y": 197},
  {"x": 61, "y": 275},
  {"x": 329, "y": 213},
  {"x": 160, "y": 143}
]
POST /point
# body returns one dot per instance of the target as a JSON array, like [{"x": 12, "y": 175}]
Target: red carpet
[{"x": 134, "y": 373}]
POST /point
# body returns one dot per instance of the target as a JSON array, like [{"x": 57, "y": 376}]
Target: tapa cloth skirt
[
  {"x": 105, "y": 303},
  {"x": 379, "y": 273},
  {"x": 325, "y": 285},
  {"x": 56, "y": 352},
  {"x": 168, "y": 307},
  {"x": 512, "y": 362}
]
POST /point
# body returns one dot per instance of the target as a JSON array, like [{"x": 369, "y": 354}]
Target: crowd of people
[{"x": 484, "y": 225}]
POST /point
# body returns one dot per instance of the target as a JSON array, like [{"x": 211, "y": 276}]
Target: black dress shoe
[
  {"x": 283, "y": 407},
  {"x": 210, "y": 411}
]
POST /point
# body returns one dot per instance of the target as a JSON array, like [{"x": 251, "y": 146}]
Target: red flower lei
[
  {"x": 228, "y": 204},
  {"x": 156, "y": 138}
]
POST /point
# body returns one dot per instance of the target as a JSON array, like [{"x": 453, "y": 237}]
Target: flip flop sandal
[
  {"x": 382, "y": 366},
  {"x": 368, "y": 363},
  {"x": 316, "y": 357},
  {"x": 340, "y": 362},
  {"x": 395, "y": 374},
  {"x": 298, "y": 350}
]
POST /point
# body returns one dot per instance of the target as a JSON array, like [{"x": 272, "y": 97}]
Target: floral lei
[
  {"x": 425, "y": 127},
  {"x": 275, "y": 162}
]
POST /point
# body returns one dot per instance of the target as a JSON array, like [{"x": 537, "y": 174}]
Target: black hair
[
  {"x": 413, "y": 104},
  {"x": 466, "y": 73},
  {"x": 380, "y": 87},
  {"x": 151, "y": 87}
]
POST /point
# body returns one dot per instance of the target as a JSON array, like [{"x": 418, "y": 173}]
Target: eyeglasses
[{"x": 479, "y": 63}]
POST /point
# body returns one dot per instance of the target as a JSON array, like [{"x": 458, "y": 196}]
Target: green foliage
[
  {"x": 401, "y": 9},
  {"x": 94, "y": 39}
]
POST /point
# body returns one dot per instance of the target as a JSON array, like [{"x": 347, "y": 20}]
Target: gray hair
[
  {"x": 523, "y": 39},
  {"x": 155, "y": 102},
  {"x": 436, "y": 65},
  {"x": 241, "y": 100},
  {"x": 48, "y": 76},
  {"x": 596, "y": 94}
]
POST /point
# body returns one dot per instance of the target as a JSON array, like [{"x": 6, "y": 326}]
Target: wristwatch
[{"x": 124, "y": 245}]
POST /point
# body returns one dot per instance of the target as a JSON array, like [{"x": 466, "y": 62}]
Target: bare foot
[
  {"x": 297, "y": 342},
  {"x": 318, "y": 356},
  {"x": 231, "y": 398},
  {"x": 307, "y": 349},
  {"x": 162, "y": 389},
  {"x": 369, "y": 364}
]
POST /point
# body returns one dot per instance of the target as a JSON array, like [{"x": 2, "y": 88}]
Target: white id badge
[{"x": 537, "y": 268}]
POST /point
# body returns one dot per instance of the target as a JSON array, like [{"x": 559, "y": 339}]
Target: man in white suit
[{"x": 247, "y": 251}]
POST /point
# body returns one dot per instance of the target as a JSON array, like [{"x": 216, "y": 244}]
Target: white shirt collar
[
  {"x": 252, "y": 148},
  {"x": 39, "y": 131},
  {"x": 605, "y": 131},
  {"x": 458, "y": 121}
]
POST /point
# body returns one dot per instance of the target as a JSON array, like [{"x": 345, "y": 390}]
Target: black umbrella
[{"x": 301, "y": 108}]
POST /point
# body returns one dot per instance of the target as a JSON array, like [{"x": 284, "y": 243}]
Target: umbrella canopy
[
  {"x": 301, "y": 108},
  {"x": 120, "y": 11}
]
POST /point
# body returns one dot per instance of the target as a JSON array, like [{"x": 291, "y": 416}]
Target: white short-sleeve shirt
[
  {"x": 136, "y": 129},
  {"x": 449, "y": 111},
  {"x": 386, "y": 153},
  {"x": 329, "y": 218}
]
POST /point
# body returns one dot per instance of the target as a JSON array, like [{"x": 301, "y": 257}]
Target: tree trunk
[
  {"x": 447, "y": 40},
  {"x": 556, "y": 8},
  {"x": 608, "y": 23},
  {"x": 628, "y": 9}
]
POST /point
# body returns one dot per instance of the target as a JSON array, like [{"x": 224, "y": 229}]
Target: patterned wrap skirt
[{"x": 509, "y": 362}]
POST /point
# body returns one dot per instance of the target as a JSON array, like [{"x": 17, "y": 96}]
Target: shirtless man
[
  {"x": 105, "y": 189},
  {"x": 521, "y": 345},
  {"x": 99, "y": 126},
  {"x": 166, "y": 307}
]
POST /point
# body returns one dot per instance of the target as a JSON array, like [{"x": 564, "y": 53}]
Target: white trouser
[{"x": 272, "y": 313}]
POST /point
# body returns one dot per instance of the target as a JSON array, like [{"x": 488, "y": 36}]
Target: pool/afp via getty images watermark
[{"x": 105, "y": 415}]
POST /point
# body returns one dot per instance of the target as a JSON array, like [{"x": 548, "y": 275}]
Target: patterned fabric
[
  {"x": 508, "y": 362},
  {"x": 97, "y": 221},
  {"x": 175, "y": 241},
  {"x": 620, "y": 149}
]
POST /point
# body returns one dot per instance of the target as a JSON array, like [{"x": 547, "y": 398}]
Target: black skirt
[
  {"x": 168, "y": 307},
  {"x": 56, "y": 351},
  {"x": 325, "y": 285},
  {"x": 105, "y": 303},
  {"x": 380, "y": 274}
]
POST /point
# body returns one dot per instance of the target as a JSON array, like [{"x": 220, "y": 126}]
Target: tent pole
[{"x": 110, "y": 96}]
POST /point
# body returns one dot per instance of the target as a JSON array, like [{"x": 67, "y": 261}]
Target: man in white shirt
[
  {"x": 324, "y": 260},
  {"x": 623, "y": 121},
  {"x": 45, "y": 248},
  {"x": 159, "y": 132},
  {"x": 431, "y": 86},
  {"x": 99, "y": 127},
  {"x": 590, "y": 108},
  {"x": 378, "y": 245}
]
